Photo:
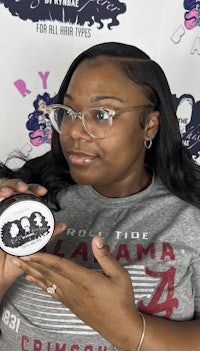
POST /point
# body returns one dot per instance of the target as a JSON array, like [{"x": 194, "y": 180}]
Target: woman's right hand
[
  {"x": 12, "y": 186},
  {"x": 7, "y": 188}
]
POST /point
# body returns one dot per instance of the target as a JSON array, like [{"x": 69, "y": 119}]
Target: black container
[{"x": 26, "y": 224}]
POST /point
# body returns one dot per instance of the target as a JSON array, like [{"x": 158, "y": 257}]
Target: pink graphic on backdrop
[
  {"x": 191, "y": 21},
  {"x": 192, "y": 15},
  {"x": 38, "y": 122},
  {"x": 21, "y": 87}
]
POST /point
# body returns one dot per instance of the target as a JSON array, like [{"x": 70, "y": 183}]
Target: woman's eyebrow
[
  {"x": 105, "y": 97},
  {"x": 68, "y": 96},
  {"x": 97, "y": 98}
]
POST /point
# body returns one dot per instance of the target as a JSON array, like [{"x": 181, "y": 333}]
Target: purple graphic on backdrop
[
  {"x": 192, "y": 15},
  {"x": 77, "y": 12},
  {"x": 38, "y": 121},
  {"x": 188, "y": 113}
]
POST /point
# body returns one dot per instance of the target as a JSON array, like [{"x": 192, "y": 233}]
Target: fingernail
[
  {"x": 29, "y": 278},
  {"x": 3, "y": 189},
  {"x": 41, "y": 187},
  {"x": 25, "y": 258},
  {"x": 100, "y": 243},
  {"x": 64, "y": 226},
  {"x": 20, "y": 183}
]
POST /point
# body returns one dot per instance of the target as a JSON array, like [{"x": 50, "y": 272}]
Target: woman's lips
[{"x": 78, "y": 158}]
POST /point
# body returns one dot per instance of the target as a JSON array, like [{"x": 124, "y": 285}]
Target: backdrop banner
[{"x": 40, "y": 38}]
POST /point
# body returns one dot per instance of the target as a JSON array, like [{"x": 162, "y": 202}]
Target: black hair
[{"x": 168, "y": 157}]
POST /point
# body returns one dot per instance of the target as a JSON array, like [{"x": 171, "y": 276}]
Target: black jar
[{"x": 26, "y": 224}]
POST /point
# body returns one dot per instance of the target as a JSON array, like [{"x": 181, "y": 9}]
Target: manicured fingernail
[
  {"x": 63, "y": 227},
  {"x": 25, "y": 258},
  {"x": 99, "y": 243},
  {"x": 29, "y": 278},
  {"x": 38, "y": 187},
  {"x": 3, "y": 189},
  {"x": 20, "y": 183}
]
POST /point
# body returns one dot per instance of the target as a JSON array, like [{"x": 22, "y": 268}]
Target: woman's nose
[{"x": 78, "y": 130}]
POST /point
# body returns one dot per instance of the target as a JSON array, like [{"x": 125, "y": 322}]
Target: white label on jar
[{"x": 25, "y": 227}]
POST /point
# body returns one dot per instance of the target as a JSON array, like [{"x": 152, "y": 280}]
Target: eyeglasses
[{"x": 97, "y": 121}]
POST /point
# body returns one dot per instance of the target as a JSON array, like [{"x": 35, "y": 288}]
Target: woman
[{"x": 120, "y": 178}]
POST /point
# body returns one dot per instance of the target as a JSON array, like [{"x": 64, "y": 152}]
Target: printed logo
[
  {"x": 77, "y": 12},
  {"x": 191, "y": 20},
  {"x": 187, "y": 109},
  {"x": 192, "y": 14},
  {"x": 188, "y": 112},
  {"x": 38, "y": 122},
  {"x": 17, "y": 232}
]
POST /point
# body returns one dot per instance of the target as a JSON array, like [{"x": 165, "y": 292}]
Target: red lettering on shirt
[
  {"x": 82, "y": 251},
  {"x": 166, "y": 286},
  {"x": 25, "y": 339},
  {"x": 60, "y": 347},
  {"x": 37, "y": 345},
  {"x": 88, "y": 348},
  {"x": 56, "y": 250},
  {"x": 141, "y": 250},
  {"x": 167, "y": 251},
  {"x": 41, "y": 345},
  {"x": 74, "y": 347},
  {"x": 122, "y": 252}
]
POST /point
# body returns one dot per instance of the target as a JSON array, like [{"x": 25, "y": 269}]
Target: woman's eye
[
  {"x": 101, "y": 115},
  {"x": 66, "y": 113}
]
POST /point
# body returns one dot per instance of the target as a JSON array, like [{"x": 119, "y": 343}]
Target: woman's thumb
[{"x": 106, "y": 260}]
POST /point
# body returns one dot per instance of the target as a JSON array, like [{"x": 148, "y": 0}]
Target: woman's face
[
  {"x": 114, "y": 166},
  {"x": 42, "y": 106},
  {"x": 25, "y": 223}
]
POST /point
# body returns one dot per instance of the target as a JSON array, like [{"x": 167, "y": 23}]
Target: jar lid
[{"x": 26, "y": 224}]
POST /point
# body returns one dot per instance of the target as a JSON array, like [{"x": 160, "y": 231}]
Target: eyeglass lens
[{"x": 96, "y": 121}]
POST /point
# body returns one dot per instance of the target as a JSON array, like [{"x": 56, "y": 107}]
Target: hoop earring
[{"x": 147, "y": 143}]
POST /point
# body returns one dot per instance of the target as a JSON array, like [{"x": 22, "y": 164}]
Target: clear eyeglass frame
[{"x": 96, "y": 121}]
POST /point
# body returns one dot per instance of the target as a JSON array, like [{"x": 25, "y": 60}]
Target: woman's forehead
[
  {"x": 99, "y": 63},
  {"x": 100, "y": 77}
]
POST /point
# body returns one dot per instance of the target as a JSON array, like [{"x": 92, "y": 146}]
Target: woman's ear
[{"x": 152, "y": 125}]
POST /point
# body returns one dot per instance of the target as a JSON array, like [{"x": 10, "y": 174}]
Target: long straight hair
[{"x": 168, "y": 157}]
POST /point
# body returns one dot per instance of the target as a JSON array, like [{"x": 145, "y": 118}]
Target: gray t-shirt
[{"x": 153, "y": 234}]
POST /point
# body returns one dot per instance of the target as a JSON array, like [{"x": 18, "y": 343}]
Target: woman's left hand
[{"x": 103, "y": 299}]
